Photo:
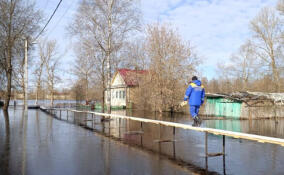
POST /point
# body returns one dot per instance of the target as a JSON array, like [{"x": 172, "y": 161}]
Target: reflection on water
[
  {"x": 36, "y": 143},
  {"x": 265, "y": 127},
  {"x": 186, "y": 148},
  {"x": 189, "y": 145},
  {"x": 5, "y": 144},
  {"x": 40, "y": 144}
]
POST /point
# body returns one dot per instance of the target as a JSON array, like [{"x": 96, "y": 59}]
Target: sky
[{"x": 216, "y": 28}]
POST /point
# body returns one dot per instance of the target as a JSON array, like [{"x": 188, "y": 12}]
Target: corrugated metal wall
[{"x": 222, "y": 107}]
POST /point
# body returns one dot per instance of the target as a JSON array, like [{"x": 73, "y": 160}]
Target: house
[{"x": 123, "y": 86}]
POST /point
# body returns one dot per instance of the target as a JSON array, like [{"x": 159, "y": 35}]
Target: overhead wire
[
  {"x": 48, "y": 20},
  {"x": 65, "y": 12}
]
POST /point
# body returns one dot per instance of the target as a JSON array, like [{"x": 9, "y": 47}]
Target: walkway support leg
[
  {"x": 141, "y": 138},
  {"x": 92, "y": 121},
  {"x": 174, "y": 142},
  {"x": 224, "y": 160},
  {"x": 206, "y": 151}
]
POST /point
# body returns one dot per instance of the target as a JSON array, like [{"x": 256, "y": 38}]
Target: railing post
[
  {"x": 160, "y": 138},
  {"x": 224, "y": 160},
  {"x": 141, "y": 138},
  {"x": 223, "y": 145},
  {"x": 67, "y": 114},
  {"x": 119, "y": 127},
  {"x": 60, "y": 114},
  {"x": 86, "y": 118},
  {"x": 206, "y": 150},
  {"x": 174, "y": 142},
  {"x": 92, "y": 121},
  {"x": 109, "y": 126}
]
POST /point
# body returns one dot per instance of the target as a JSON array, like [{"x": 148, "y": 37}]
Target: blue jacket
[{"x": 195, "y": 93}]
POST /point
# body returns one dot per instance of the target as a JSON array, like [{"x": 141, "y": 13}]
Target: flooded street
[{"x": 38, "y": 143}]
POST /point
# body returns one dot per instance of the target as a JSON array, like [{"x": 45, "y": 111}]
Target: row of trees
[
  {"x": 104, "y": 33},
  {"x": 104, "y": 30},
  {"x": 101, "y": 28},
  {"x": 258, "y": 64},
  {"x": 171, "y": 62},
  {"x": 46, "y": 69},
  {"x": 20, "y": 22}
]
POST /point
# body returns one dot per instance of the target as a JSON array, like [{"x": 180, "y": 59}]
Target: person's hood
[{"x": 197, "y": 82}]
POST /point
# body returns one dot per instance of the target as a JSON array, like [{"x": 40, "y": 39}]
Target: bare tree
[
  {"x": 267, "y": 31},
  {"x": 84, "y": 67},
  {"x": 19, "y": 76},
  {"x": 242, "y": 68},
  {"x": 52, "y": 66},
  {"x": 18, "y": 19},
  {"x": 109, "y": 23},
  {"x": 134, "y": 55},
  {"x": 39, "y": 69},
  {"x": 172, "y": 62},
  {"x": 280, "y": 6}
]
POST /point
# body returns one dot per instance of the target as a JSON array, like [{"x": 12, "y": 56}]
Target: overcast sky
[{"x": 215, "y": 27}]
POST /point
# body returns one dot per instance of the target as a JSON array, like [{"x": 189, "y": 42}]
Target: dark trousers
[{"x": 194, "y": 110}]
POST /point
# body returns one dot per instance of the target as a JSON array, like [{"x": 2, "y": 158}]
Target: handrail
[{"x": 253, "y": 137}]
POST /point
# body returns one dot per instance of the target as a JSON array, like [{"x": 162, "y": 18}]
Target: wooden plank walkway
[{"x": 253, "y": 137}]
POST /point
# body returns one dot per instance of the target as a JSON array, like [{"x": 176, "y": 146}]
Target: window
[
  {"x": 116, "y": 94},
  {"x": 119, "y": 94},
  {"x": 123, "y": 94}
]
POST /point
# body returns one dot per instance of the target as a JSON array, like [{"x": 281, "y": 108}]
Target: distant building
[{"x": 123, "y": 86}]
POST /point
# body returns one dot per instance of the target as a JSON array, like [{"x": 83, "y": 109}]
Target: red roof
[{"x": 131, "y": 77}]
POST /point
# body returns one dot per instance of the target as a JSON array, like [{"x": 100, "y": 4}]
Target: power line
[
  {"x": 71, "y": 5},
  {"x": 48, "y": 20}
]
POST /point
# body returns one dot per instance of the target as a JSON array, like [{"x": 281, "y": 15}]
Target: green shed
[{"x": 220, "y": 106}]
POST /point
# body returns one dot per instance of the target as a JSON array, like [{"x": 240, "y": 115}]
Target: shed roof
[{"x": 275, "y": 98}]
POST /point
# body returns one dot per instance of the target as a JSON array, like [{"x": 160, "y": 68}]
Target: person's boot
[
  {"x": 194, "y": 122},
  {"x": 199, "y": 121}
]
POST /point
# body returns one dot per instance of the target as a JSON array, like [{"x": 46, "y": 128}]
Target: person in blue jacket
[{"x": 195, "y": 94}]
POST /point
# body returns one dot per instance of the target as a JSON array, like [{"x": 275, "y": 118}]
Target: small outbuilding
[
  {"x": 244, "y": 105},
  {"x": 123, "y": 86}
]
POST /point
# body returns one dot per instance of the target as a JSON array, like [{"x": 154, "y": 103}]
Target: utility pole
[
  {"x": 26, "y": 75},
  {"x": 108, "y": 58}
]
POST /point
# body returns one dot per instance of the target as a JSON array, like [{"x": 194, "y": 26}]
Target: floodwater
[
  {"x": 76, "y": 143},
  {"x": 36, "y": 143},
  {"x": 265, "y": 127}
]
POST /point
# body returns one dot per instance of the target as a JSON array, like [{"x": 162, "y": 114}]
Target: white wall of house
[
  {"x": 118, "y": 81},
  {"x": 118, "y": 91},
  {"x": 118, "y": 97}
]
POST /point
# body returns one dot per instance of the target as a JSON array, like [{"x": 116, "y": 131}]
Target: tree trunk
[
  {"x": 103, "y": 101},
  {"x": 9, "y": 79},
  {"x": 8, "y": 89},
  {"x": 52, "y": 98},
  {"x": 36, "y": 102},
  {"x": 103, "y": 88},
  {"x": 275, "y": 77},
  {"x": 87, "y": 88}
]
